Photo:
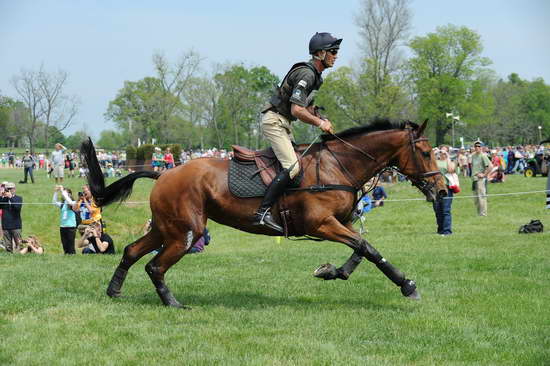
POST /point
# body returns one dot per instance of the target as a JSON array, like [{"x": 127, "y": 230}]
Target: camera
[{"x": 80, "y": 194}]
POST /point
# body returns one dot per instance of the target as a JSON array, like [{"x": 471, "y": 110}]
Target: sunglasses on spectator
[{"x": 333, "y": 51}]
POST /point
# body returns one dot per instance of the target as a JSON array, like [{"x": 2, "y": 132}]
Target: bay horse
[{"x": 334, "y": 170}]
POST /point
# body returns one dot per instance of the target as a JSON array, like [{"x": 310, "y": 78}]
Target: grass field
[{"x": 485, "y": 292}]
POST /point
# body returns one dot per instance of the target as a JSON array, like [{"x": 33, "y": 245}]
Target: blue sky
[{"x": 103, "y": 43}]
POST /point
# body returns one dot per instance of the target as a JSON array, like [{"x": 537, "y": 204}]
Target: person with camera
[
  {"x": 31, "y": 245},
  {"x": 67, "y": 224},
  {"x": 86, "y": 207},
  {"x": 95, "y": 241},
  {"x": 11, "y": 204}
]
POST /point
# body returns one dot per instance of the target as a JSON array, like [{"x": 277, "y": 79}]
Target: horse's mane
[{"x": 377, "y": 124}]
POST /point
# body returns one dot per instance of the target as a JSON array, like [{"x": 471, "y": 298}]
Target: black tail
[{"x": 116, "y": 191}]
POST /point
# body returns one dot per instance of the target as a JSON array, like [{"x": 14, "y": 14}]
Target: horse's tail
[{"x": 116, "y": 191}]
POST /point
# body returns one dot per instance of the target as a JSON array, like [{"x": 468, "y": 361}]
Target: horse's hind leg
[
  {"x": 170, "y": 254},
  {"x": 132, "y": 253}
]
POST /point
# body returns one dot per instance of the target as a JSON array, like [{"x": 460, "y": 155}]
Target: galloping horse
[{"x": 334, "y": 170}]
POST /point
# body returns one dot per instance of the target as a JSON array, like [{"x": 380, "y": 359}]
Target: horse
[{"x": 334, "y": 171}]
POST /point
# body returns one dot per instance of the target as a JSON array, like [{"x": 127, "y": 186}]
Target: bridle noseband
[{"x": 418, "y": 180}]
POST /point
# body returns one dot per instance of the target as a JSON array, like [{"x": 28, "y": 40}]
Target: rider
[{"x": 292, "y": 100}]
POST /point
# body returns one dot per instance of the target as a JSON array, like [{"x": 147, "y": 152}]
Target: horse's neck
[{"x": 382, "y": 146}]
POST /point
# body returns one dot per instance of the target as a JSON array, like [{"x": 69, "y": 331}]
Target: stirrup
[{"x": 265, "y": 219}]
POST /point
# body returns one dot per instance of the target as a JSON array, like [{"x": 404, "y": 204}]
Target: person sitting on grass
[
  {"x": 94, "y": 240},
  {"x": 31, "y": 245},
  {"x": 378, "y": 196}
]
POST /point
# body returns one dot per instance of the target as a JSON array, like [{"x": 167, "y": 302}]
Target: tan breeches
[
  {"x": 480, "y": 197},
  {"x": 277, "y": 131}
]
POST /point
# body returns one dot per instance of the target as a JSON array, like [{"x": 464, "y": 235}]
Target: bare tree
[
  {"x": 27, "y": 85},
  {"x": 384, "y": 25},
  {"x": 174, "y": 80},
  {"x": 58, "y": 109}
]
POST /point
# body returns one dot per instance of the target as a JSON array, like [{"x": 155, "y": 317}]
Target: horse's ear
[{"x": 422, "y": 127}]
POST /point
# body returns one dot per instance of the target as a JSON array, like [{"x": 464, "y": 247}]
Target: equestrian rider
[{"x": 292, "y": 100}]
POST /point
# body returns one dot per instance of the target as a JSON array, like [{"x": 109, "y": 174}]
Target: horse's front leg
[{"x": 332, "y": 229}]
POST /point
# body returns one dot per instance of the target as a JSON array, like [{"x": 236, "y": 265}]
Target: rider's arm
[{"x": 304, "y": 115}]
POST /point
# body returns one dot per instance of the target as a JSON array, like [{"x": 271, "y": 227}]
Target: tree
[
  {"x": 27, "y": 85},
  {"x": 75, "y": 140},
  {"x": 384, "y": 26},
  {"x": 243, "y": 92},
  {"x": 446, "y": 70},
  {"x": 111, "y": 140},
  {"x": 58, "y": 110},
  {"x": 136, "y": 109},
  {"x": 151, "y": 107}
]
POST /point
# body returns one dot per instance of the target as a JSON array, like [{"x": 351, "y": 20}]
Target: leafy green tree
[
  {"x": 111, "y": 140},
  {"x": 242, "y": 93},
  {"x": 446, "y": 67},
  {"x": 75, "y": 140},
  {"x": 137, "y": 109}
]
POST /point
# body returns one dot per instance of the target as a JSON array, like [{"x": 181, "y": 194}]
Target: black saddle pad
[{"x": 245, "y": 180}]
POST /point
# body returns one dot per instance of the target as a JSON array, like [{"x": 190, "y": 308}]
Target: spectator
[
  {"x": 11, "y": 159},
  {"x": 158, "y": 160},
  {"x": 28, "y": 165},
  {"x": 2, "y": 189},
  {"x": 95, "y": 241},
  {"x": 110, "y": 171},
  {"x": 32, "y": 245},
  {"x": 58, "y": 163},
  {"x": 11, "y": 205},
  {"x": 67, "y": 224},
  {"x": 462, "y": 160},
  {"x": 442, "y": 206},
  {"x": 378, "y": 196},
  {"x": 71, "y": 163},
  {"x": 481, "y": 166},
  {"x": 86, "y": 207},
  {"x": 168, "y": 159},
  {"x": 41, "y": 161}
]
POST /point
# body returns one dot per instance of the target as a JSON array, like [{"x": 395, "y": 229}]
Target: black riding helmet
[{"x": 322, "y": 42}]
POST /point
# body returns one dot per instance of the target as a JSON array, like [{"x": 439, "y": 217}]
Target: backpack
[{"x": 535, "y": 226}]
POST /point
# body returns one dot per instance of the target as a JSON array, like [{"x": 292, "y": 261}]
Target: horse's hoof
[
  {"x": 326, "y": 272},
  {"x": 414, "y": 296},
  {"x": 177, "y": 305}
]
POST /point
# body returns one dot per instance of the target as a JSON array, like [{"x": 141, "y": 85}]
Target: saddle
[
  {"x": 251, "y": 171},
  {"x": 265, "y": 160}
]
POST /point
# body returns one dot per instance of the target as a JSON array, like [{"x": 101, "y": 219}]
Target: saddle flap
[{"x": 245, "y": 154}]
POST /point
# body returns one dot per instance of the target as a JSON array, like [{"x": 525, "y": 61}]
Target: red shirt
[{"x": 169, "y": 158}]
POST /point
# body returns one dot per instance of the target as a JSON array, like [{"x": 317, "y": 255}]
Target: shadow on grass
[{"x": 254, "y": 300}]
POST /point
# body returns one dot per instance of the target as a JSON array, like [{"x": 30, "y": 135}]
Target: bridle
[{"x": 418, "y": 180}]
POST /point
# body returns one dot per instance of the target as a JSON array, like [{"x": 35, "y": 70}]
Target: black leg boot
[{"x": 275, "y": 189}]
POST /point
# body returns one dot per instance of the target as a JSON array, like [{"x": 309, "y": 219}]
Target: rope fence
[{"x": 387, "y": 200}]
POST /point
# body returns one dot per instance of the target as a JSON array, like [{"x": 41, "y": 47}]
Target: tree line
[{"x": 443, "y": 75}]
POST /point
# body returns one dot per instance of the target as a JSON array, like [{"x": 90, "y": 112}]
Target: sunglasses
[{"x": 333, "y": 51}]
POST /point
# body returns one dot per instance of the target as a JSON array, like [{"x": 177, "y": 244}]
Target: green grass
[{"x": 485, "y": 292}]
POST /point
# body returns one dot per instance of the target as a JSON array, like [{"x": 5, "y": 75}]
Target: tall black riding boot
[{"x": 275, "y": 189}]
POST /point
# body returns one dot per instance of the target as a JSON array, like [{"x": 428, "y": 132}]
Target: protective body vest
[{"x": 299, "y": 86}]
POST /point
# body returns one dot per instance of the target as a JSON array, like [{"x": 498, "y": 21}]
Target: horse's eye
[{"x": 426, "y": 154}]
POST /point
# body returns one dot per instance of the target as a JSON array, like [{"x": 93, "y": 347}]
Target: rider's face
[{"x": 331, "y": 56}]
